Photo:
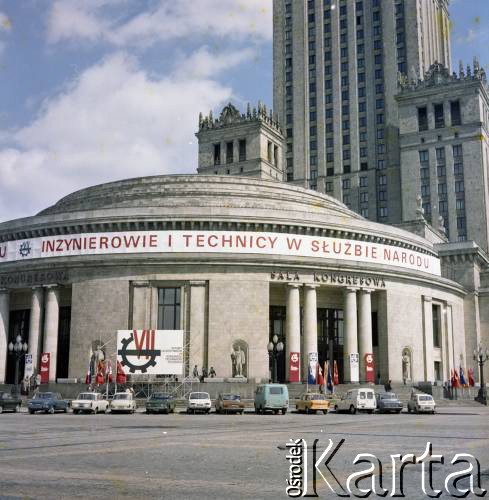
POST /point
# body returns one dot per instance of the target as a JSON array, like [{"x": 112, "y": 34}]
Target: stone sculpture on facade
[
  {"x": 406, "y": 365},
  {"x": 239, "y": 356}
]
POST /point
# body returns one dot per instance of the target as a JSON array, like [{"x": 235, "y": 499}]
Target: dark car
[
  {"x": 9, "y": 402},
  {"x": 48, "y": 402},
  {"x": 388, "y": 402},
  {"x": 160, "y": 402}
]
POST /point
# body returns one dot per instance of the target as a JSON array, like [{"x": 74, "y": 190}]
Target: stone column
[
  {"x": 4, "y": 325},
  {"x": 35, "y": 326},
  {"x": 51, "y": 324},
  {"x": 364, "y": 328},
  {"x": 292, "y": 325},
  {"x": 197, "y": 328},
  {"x": 350, "y": 332},
  {"x": 429, "y": 367},
  {"x": 310, "y": 326}
]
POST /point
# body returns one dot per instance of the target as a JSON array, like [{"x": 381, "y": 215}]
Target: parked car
[
  {"x": 388, "y": 402},
  {"x": 48, "y": 402},
  {"x": 421, "y": 403},
  {"x": 199, "y": 401},
  {"x": 361, "y": 399},
  {"x": 273, "y": 397},
  {"x": 160, "y": 402},
  {"x": 229, "y": 403},
  {"x": 9, "y": 402},
  {"x": 90, "y": 402},
  {"x": 312, "y": 402},
  {"x": 123, "y": 402}
]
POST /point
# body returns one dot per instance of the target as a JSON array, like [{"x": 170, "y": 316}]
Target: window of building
[
  {"x": 346, "y": 199},
  {"x": 346, "y": 183},
  {"x": 329, "y": 128},
  {"x": 382, "y": 180},
  {"x": 363, "y": 152},
  {"x": 217, "y": 154},
  {"x": 360, "y": 34},
  {"x": 364, "y": 212},
  {"x": 363, "y": 166},
  {"x": 346, "y": 124},
  {"x": 442, "y": 188},
  {"x": 362, "y": 121},
  {"x": 343, "y": 38},
  {"x": 328, "y": 84},
  {"x": 435, "y": 309},
  {"x": 269, "y": 151},
  {"x": 242, "y": 150},
  {"x": 424, "y": 173},
  {"x": 380, "y": 149},
  {"x": 443, "y": 206},
  {"x": 312, "y": 116},
  {"x": 362, "y": 136},
  {"x": 361, "y": 92},
  {"x": 455, "y": 115},
  {"x": 361, "y": 63},
  {"x": 329, "y": 113},
  {"x": 378, "y": 59},
  {"x": 460, "y": 204},
  {"x": 345, "y": 95},
  {"x": 427, "y": 208},
  {"x": 382, "y": 195},
  {"x": 346, "y": 154},
  {"x": 363, "y": 181},
  {"x": 275, "y": 155},
  {"x": 229, "y": 152},
  {"x": 313, "y": 145},
  {"x": 423, "y": 156},
  {"x": 289, "y": 133},
  {"x": 329, "y": 142},
  {"x": 329, "y": 187},
  {"x": 380, "y": 133},
  {"x": 440, "y": 155},
  {"x": 457, "y": 150},
  {"x": 459, "y": 186},
  {"x": 345, "y": 109},
  {"x": 364, "y": 197},
  {"x": 439, "y": 116},
  {"x": 425, "y": 190},
  {"x": 379, "y": 119},
  {"x": 379, "y": 73},
  {"x": 329, "y": 157},
  {"x": 441, "y": 170},
  {"x": 382, "y": 212},
  {"x": 379, "y": 104},
  {"x": 379, "y": 88},
  {"x": 376, "y": 16},
  {"x": 169, "y": 308},
  {"x": 343, "y": 24},
  {"x": 362, "y": 107},
  {"x": 346, "y": 169},
  {"x": 330, "y": 171},
  {"x": 361, "y": 77},
  {"x": 290, "y": 176},
  {"x": 422, "y": 119},
  {"x": 328, "y": 99},
  {"x": 360, "y": 48},
  {"x": 380, "y": 164}
]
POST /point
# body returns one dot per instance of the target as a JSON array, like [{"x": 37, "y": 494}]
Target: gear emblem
[
  {"x": 125, "y": 352},
  {"x": 25, "y": 249}
]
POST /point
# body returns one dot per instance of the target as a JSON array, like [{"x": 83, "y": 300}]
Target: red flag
[
  {"x": 471, "y": 377},
  {"x": 121, "y": 376},
  {"x": 100, "y": 377},
  {"x": 319, "y": 375},
  {"x": 108, "y": 371},
  {"x": 336, "y": 377},
  {"x": 455, "y": 379},
  {"x": 88, "y": 378}
]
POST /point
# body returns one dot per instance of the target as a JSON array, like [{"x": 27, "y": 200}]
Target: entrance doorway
[
  {"x": 63, "y": 342},
  {"x": 331, "y": 338},
  {"x": 277, "y": 327},
  {"x": 18, "y": 325}
]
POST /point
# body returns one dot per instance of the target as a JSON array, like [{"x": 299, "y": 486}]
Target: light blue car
[{"x": 272, "y": 397}]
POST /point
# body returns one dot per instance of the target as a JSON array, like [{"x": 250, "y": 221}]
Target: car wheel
[
  {"x": 275, "y": 412},
  {"x": 409, "y": 409},
  {"x": 398, "y": 411},
  {"x": 415, "y": 410},
  {"x": 256, "y": 410},
  {"x": 65, "y": 410},
  {"x": 17, "y": 409},
  {"x": 325, "y": 412},
  {"x": 307, "y": 410},
  {"x": 51, "y": 410},
  {"x": 352, "y": 410},
  {"x": 433, "y": 412},
  {"x": 95, "y": 411},
  {"x": 370, "y": 412},
  {"x": 284, "y": 411},
  {"x": 75, "y": 412},
  {"x": 31, "y": 412},
  {"x": 336, "y": 409}
]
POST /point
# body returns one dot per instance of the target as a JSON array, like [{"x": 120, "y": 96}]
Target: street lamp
[
  {"x": 481, "y": 356},
  {"x": 275, "y": 349},
  {"x": 18, "y": 350}
]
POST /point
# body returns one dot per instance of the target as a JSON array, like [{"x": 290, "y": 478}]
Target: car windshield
[
  {"x": 425, "y": 398},
  {"x": 4, "y": 395},
  {"x": 199, "y": 395},
  {"x": 388, "y": 395},
  {"x": 87, "y": 395},
  {"x": 160, "y": 395},
  {"x": 231, "y": 397},
  {"x": 317, "y": 397},
  {"x": 122, "y": 396},
  {"x": 44, "y": 395}
]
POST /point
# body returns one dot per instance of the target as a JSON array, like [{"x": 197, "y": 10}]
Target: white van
[{"x": 361, "y": 399}]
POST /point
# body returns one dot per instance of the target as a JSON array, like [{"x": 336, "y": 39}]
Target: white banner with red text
[{"x": 228, "y": 242}]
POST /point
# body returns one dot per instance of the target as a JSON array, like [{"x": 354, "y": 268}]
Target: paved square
[{"x": 214, "y": 456}]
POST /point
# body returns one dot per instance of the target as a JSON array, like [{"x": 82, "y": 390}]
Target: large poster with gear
[{"x": 150, "y": 352}]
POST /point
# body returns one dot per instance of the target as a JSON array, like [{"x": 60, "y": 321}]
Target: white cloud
[
  {"x": 5, "y": 23},
  {"x": 95, "y": 20},
  {"x": 114, "y": 121}
]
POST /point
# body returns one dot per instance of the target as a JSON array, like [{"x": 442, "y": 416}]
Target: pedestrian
[
  {"x": 388, "y": 386},
  {"x": 195, "y": 373},
  {"x": 212, "y": 372},
  {"x": 38, "y": 380},
  {"x": 378, "y": 378}
]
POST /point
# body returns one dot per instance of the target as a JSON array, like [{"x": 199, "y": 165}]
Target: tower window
[
  {"x": 229, "y": 152},
  {"x": 217, "y": 154},
  {"x": 242, "y": 150}
]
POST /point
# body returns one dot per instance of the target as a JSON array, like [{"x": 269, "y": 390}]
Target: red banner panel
[
  {"x": 294, "y": 367},
  {"x": 44, "y": 368},
  {"x": 369, "y": 368}
]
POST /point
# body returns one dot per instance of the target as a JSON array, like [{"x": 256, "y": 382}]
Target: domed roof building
[{"x": 232, "y": 262}]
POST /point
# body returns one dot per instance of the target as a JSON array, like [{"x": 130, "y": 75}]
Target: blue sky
[{"x": 98, "y": 90}]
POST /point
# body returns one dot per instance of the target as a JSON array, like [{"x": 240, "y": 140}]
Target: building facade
[
  {"x": 444, "y": 141},
  {"x": 336, "y": 67},
  {"x": 232, "y": 261}
]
